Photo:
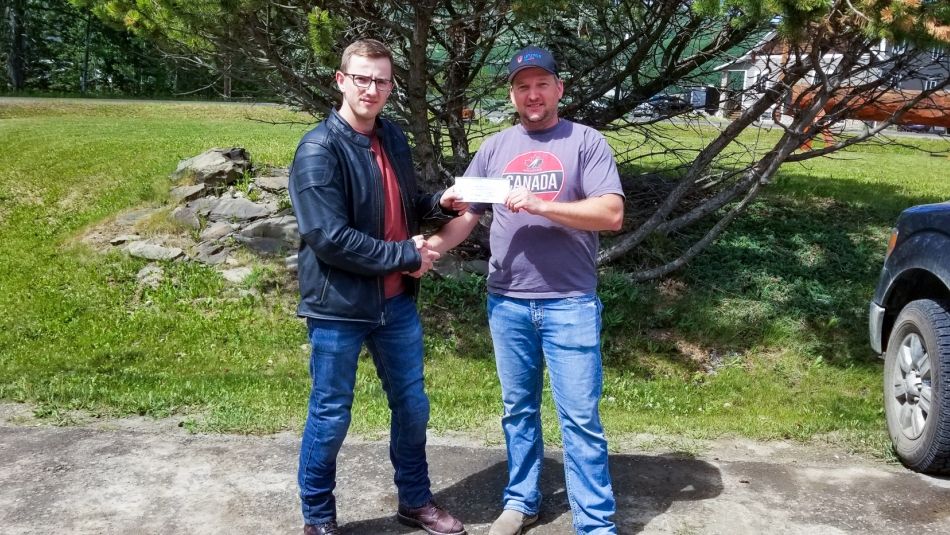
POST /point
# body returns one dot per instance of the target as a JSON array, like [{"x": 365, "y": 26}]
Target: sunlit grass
[{"x": 761, "y": 336}]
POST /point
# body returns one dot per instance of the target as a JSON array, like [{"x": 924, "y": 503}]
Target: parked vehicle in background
[
  {"x": 662, "y": 105},
  {"x": 669, "y": 104},
  {"x": 909, "y": 322},
  {"x": 918, "y": 128},
  {"x": 643, "y": 109}
]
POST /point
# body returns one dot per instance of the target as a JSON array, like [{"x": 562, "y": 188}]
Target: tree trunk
[
  {"x": 16, "y": 60},
  {"x": 226, "y": 78},
  {"x": 428, "y": 155},
  {"x": 454, "y": 106},
  {"x": 85, "y": 57}
]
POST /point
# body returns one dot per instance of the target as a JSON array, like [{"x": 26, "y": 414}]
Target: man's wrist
[{"x": 543, "y": 208}]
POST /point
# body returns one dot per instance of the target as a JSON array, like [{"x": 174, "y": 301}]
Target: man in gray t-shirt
[
  {"x": 533, "y": 256},
  {"x": 543, "y": 309}
]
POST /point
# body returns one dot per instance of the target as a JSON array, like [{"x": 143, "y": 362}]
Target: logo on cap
[{"x": 532, "y": 56}]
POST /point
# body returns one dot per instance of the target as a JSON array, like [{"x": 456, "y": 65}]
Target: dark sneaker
[
  {"x": 330, "y": 528},
  {"x": 430, "y": 517},
  {"x": 511, "y": 522}
]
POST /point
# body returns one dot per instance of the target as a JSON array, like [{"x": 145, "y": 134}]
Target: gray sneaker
[{"x": 511, "y": 523}]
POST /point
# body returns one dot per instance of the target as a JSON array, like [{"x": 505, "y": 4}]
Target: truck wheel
[{"x": 917, "y": 386}]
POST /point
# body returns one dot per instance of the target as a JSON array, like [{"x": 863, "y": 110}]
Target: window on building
[
  {"x": 930, "y": 83},
  {"x": 936, "y": 53}
]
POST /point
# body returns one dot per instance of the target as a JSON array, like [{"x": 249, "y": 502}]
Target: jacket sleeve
[
  {"x": 428, "y": 208},
  {"x": 318, "y": 196}
]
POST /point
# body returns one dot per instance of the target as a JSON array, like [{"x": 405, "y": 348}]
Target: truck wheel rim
[{"x": 912, "y": 386}]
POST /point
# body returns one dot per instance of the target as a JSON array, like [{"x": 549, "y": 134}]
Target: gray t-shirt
[{"x": 532, "y": 256}]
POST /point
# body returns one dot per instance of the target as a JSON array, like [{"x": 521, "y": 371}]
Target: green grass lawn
[{"x": 763, "y": 336}]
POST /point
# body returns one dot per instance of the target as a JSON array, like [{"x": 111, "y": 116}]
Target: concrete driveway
[{"x": 142, "y": 476}]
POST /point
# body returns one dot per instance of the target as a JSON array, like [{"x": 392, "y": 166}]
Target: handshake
[{"x": 429, "y": 256}]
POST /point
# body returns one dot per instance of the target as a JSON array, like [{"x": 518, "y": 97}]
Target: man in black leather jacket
[{"x": 358, "y": 210}]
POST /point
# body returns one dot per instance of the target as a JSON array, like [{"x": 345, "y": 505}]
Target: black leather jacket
[{"x": 337, "y": 193}]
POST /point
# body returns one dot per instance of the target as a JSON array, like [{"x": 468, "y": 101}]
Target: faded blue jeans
[
  {"x": 395, "y": 344},
  {"x": 564, "y": 335}
]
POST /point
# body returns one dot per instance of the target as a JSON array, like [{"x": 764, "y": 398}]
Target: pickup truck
[{"x": 909, "y": 325}]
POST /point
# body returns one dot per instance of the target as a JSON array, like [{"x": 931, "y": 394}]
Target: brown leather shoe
[
  {"x": 330, "y": 528},
  {"x": 432, "y": 518}
]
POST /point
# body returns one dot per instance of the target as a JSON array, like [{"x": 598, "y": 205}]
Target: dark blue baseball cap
[{"x": 531, "y": 56}]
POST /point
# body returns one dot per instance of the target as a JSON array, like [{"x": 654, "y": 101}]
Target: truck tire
[{"x": 917, "y": 386}]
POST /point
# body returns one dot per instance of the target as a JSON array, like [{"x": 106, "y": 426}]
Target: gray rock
[
  {"x": 262, "y": 246},
  {"x": 124, "y": 238},
  {"x": 291, "y": 263},
  {"x": 151, "y": 276},
  {"x": 279, "y": 228},
  {"x": 285, "y": 211},
  {"x": 203, "y": 205},
  {"x": 273, "y": 184},
  {"x": 216, "y": 231},
  {"x": 151, "y": 251},
  {"x": 236, "y": 275},
  {"x": 215, "y": 167},
  {"x": 211, "y": 253},
  {"x": 448, "y": 265},
  {"x": 451, "y": 266},
  {"x": 273, "y": 206},
  {"x": 187, "y": 216},
  {"x": 479, "y": 267},
  {"x": 186, "y": 193},
  {"x": 237, "y": 210}
]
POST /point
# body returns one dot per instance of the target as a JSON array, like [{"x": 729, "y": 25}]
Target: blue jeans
[
  {"x": 563, "y": 334},
  {"x": 395, "y": 344}
]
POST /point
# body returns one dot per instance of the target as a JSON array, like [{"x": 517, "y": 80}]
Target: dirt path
[{"x": 143, "y": 476}]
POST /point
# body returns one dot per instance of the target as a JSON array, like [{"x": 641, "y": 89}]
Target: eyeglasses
[{"x": 383, "y": 85}]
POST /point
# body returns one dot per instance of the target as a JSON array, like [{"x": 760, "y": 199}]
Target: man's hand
[
  {"x": 451, "y": 200},
  {"x": 603, "y": 212},
  {"x": 428, "y": 255},
  {"x": 521, "y": 199}
]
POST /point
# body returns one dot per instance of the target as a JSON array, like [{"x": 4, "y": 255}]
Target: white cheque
[{"x": 482, "y": 189}]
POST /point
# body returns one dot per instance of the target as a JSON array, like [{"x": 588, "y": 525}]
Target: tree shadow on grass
[{"x": 805, "y": 257}]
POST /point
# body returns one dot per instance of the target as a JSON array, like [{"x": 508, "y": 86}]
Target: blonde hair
[{"x": 369, "y": 48}]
